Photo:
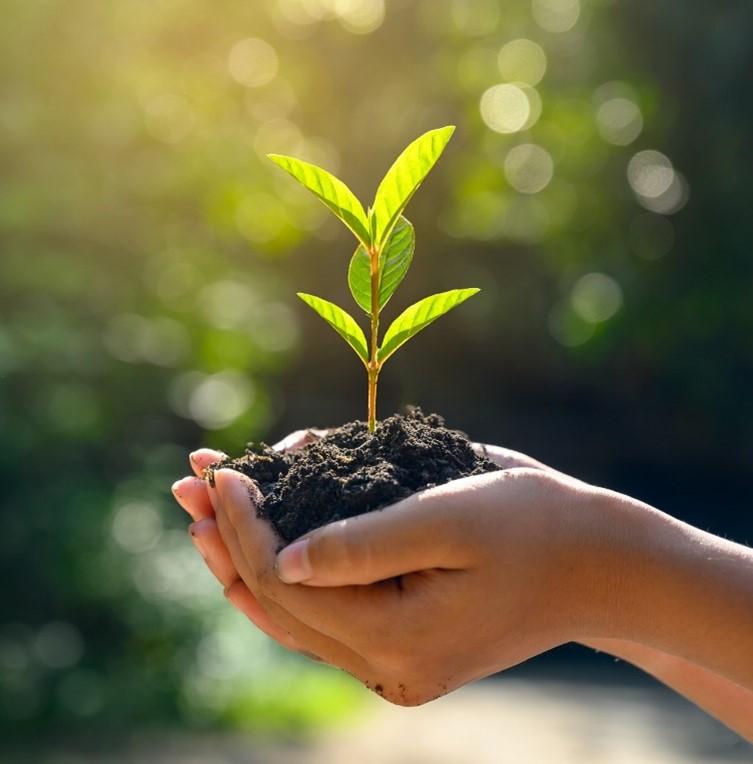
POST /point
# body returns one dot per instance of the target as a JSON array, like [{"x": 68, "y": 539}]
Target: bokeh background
[{"x": 598, "y": 189}]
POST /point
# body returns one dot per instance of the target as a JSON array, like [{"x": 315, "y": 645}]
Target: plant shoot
[{"x": 386, "y": 243}]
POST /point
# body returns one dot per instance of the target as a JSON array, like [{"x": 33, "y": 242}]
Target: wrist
[{"x": 669, "y": 587}]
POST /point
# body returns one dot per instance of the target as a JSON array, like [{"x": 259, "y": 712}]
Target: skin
[{"x": 483, "y": 573}]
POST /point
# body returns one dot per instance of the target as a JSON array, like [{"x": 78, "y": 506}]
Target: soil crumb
[{"x": 349, "y": 472}]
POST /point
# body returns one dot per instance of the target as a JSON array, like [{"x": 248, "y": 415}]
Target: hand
[
  {"x": 459, "y": 579},
  {"x": 712, "y": 671}
]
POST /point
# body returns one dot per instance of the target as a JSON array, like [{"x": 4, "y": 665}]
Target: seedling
[{"x": 386, "y": 242}]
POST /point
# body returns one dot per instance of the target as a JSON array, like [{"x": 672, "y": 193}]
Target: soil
[{"x": 348, "y": 472}]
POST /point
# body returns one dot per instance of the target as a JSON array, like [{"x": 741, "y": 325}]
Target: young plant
[{"x": 386, "y": 242}]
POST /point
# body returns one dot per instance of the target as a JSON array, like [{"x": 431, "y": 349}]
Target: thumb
[{"x": 421, "y": 532}]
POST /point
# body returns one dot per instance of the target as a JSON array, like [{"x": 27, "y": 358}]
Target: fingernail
[
  {"x": 293, "y": 565},
  {"x": 175, "y": 486}
]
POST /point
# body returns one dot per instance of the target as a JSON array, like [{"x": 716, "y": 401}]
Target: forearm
[
  {"x": 677, "y": 589},
  {"x": 727, "y": 701}
]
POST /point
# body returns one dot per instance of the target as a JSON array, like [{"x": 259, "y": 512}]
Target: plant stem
[
  {"x": 373, "y": 366},
  {"x": 373, "y": 377}
]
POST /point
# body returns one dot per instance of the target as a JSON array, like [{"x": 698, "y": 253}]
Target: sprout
[{"x": 386, "y": 242}]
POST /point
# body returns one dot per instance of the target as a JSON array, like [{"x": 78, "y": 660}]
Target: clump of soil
[{"x": 349, "y": 472}]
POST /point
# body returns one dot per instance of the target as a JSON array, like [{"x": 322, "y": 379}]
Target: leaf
[
  {"x": 404, "y": 177},
  {"x": 359, "y": 278},
  {"x": 412, "y": 320},
  {"x": 331, "y": 191},
  {"x": 395, "y": 259},
  {"x": 394, "y": 262},
  {"x": 343, "y": 323}
]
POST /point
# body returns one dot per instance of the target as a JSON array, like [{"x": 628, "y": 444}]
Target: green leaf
[
  {"x": 343, "y": 323},
  {"x": 359, "y": 279},
  {"x": 331, "y": 191},
  {"x": 394, "y": 261},
  {"x": 404, "y": 177},
  {"x": 412, "y": 320}
]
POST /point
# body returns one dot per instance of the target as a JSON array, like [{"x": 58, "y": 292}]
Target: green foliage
[
  {"x": 394, "y": 261},
  {"x": 412, "y": 320},
  {"x": 342, "y": 322},
  {"x": 380, "y": 262}
]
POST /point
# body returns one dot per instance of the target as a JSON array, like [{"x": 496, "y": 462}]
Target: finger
[
  {"x": 240, "y": 596},
  {"x": 342, "y": 615},
  {"x": 325, "y": 622},
  {"x": 425, "y": 531},
  {"x": 507, "y": 458},
  {"x": 299, "y": 438},
  {"x": 203, "y": 458},
  {"x": 308, "y": 640},
  {"x": 191, "y": 493},
  {"x": 207, "y": 540}
]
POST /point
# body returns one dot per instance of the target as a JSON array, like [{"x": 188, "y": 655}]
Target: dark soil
[{"x": 348, "y": 471}]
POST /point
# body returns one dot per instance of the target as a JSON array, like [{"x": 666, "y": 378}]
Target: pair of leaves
[
  {"x": 394, "y": 260},
  {"x": 395, "y": 191},
  {"x": 409, "y": 323}
]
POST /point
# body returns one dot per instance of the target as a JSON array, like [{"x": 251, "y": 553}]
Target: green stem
[{"x": 373, "y": 366}]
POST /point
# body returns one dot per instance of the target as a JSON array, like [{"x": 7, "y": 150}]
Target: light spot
[
  {"x": 58, "y": 645},
  {"x": 672, "y": 200},
  {"x": 172, "y": 571},
  {"x": 619, "y": 121},
  {"x": 567, "y": 327},
  {"x": 596, "y": 297},
  {"x": 528, "y": 168},
  {"x": 301, "y": 12},
  {"x": 650, "y": 174},
  {"x": 505, "y": 108},
  {"x": 220, "y": 655},
  {"x": 556, "y": 15},
  {"x": 136, "y": 526},
  {"x": 218, "y": 400},
  {"x": 253, "y": 62},
  {"x": 226, "y": 304},
  {"x": 522, "y": 61},
  {"x": 360, "y": 16},
  {"x": 133, "y": 338}
]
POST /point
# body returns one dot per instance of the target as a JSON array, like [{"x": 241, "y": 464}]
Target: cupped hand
[{"x": 442, "y": 588}]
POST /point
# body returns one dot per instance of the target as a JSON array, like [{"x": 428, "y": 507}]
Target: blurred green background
[{"x": 598, "y": 189}]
